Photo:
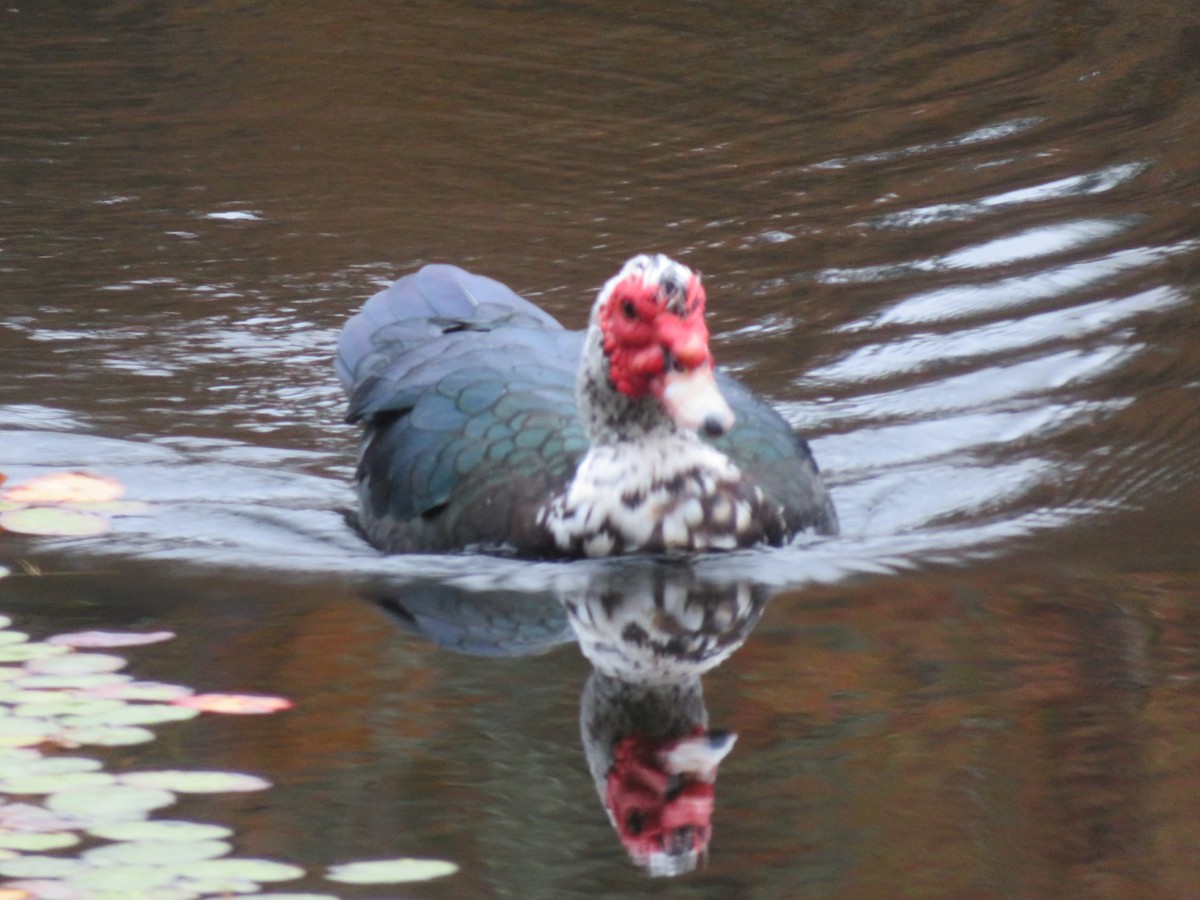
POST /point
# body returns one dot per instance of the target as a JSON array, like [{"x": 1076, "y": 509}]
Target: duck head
[{"x": 647, "y": 366}]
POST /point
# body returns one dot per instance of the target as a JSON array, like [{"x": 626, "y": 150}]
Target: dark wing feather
[{"x": 777, "y": 459}]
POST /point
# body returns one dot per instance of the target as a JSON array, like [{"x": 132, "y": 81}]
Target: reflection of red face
[
  {"x": 650, "y": 328},
  {"x": 656, "y": 812}
]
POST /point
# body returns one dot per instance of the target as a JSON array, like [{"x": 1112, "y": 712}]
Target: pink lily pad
[
  {"x": 235, "y": 704},
  {"x": 63, "y": 487},
  {"x": 110, "y": 638}
]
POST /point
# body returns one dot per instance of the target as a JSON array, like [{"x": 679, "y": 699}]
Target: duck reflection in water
[{"x": 650, "y": 629}]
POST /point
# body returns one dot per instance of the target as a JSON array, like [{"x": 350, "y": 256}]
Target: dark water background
[{"x": 957, "y": 243}]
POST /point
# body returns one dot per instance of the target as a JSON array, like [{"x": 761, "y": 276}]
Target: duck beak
[{"x": 692, "y": 399}]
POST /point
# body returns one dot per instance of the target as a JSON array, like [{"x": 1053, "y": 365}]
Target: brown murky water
[{"x": 958, "y": 244}]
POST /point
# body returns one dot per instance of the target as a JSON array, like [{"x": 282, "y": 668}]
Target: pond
[{"x": 956, "y": 245}]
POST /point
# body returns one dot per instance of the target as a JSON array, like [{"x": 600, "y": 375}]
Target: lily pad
[
  {"x": 235, "y": 704},
  {"x": 141, "y": 690},
  {"x": 36, "y": 842},
  {"x": 40, "y": 867},
  {"x": 54, "y": 784},
  {"x": 135, "y": 880},
  {"x": 112, "y": 803},
  {"x": 85, "y": 682},
  {"x": 161, "y": 831},
  {"x": 53, "y": 521},
  {"x": 390, "y": 871},
  {"x": 31, "y": 651},
  {"x": 134, "y": 714},
  {"x": 21, "y": 731},
  {"x": 105, "y": 736},
  {"x": 196, "y": 782},
  {"x": 59, "y": 704},
  {"x": 63, "y": 487},
  {"x": 255, "y": 870},
  {"x": 12, "y": 637},
  {"x": 110, "y": 638},
  {"x": 33, "y": 766},
  {"x": 76, "y": 664},
  {"x": 156, "y": 853}
]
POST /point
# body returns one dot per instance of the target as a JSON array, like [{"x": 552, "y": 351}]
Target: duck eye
[{"x": 628, "y": 310}]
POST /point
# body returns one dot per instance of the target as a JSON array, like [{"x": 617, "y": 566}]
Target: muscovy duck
[{"x": 490, "y": 427}]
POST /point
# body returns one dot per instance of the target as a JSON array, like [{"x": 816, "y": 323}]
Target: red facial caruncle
[
  {"x": 656, "y": 342},
  {"x": 645, "y": 322}
]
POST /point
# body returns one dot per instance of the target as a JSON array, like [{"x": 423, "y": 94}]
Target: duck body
[{"x": 490, "y": 427}]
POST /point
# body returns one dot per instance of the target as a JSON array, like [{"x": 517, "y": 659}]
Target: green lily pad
[
  {"x": 111, "y": 803},
  {"x": 53, "y": 521},
  {"x": 76, "y": 663},
  {"x": 40, "y": 867},
  {"x": 196, "y": 782},
  {"x": 135, "y": 881},
  {"x": 390, "y": 871},
  {"x": 21, "y": 731},
  {"x": 30, "y": 651},
  {"x": 156, "y": 853},
  {"x": 36, "y": 765},
  {"x": 141, "y": 690},
  {"x": 57, "y": 705},
  {"x": 105, "y": 736},
  {"x": 9, "y": 673},
  {"x": 12, "y": 637},
  {"x": 5, "y": 621},
  {"x": 55, "y": 784},
  {"x": 35, "y": 842},
  {"x": 238, "y": 870},
  {"x": 134, "y": 714},
  {"x": 161, "y": 831},
  {"x": 86, "y": 682}
]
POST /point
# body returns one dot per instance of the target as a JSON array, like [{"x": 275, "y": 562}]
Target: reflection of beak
[
  {"x": 692, "y": 399},
  {"x": 699, "y": 755}
]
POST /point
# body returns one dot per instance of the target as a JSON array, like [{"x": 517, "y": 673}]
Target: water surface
[{"x": 958, "y": 247}]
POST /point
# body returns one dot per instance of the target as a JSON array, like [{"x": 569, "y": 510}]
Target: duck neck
[{"x": 610, "y": 417}]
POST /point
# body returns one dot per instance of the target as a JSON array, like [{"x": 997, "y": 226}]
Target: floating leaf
[
  {"x": 141, "y": 690},
  {"x": 76, "y": 664},
  {"x": 38, "y": 765},
  {"x": 17, "y": 731},
  {"x": 84, "y": 682},
  {"x": 134, "y": 714},
  {"x": 27, "y": 817},
  {"x": 53, "y": 521},
  {"x": 390, "y": 871},
  {"x": 105, "y": 736},
  {"x": 156, "y": 853},
  {"x": 5, "y": 621},
  {"x": 54, "y": 784},
  {"x": 183, "y": 782},
  {"x": 40, "y": 867},
  {"x": 161, "y": 830},
  {"x": 58, "y": 704},
  {"x": 239, "y": 870},
  {"x": 5, "y": 572},
  {"x": 43, "y": 889},
  {"x": 27, "y": 652},
  {"x": 235, "y": 704},
  {"x": 37, "y": 841},
  {"x": 12, "y": 637},
  {"x": 118, "y": 801},
  {"x": 110, "y": 638},
  {"x": 63, "y": 487},
  {"x": 134, "y": 881}
]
